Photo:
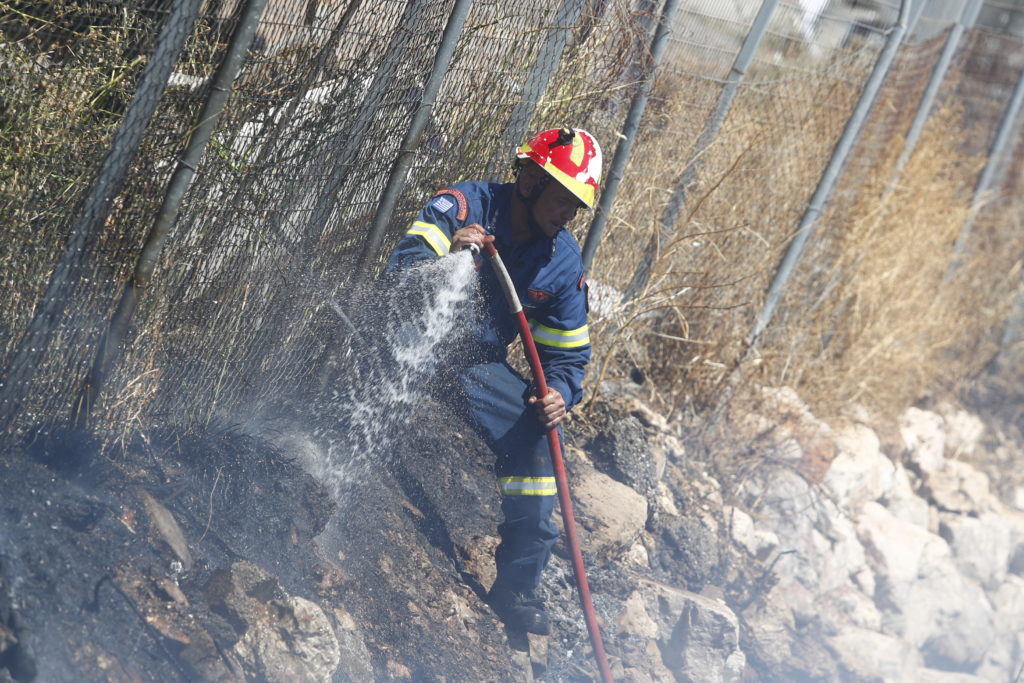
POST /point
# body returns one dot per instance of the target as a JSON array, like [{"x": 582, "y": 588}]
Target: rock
[
  {"x": 963, "y": 431},
  {"x": 294, "y": 642},
  {"x": 903, "y": 503},
  {"x": 1015, "y": 520},
  {"x": 648, "y": 417},
  {"x": 981, "y": 546},
  {"x": 785, "y": 503},
  {"x": 923, "y": 598},
  {"x": 963, "y": 630},
  {"x": 1006, "y": 653},
  {"x": 611, "y": 515},
  {"x": 925, "y": 439},
  {"x": 206, "y": 662},
  {"x": 241, "y": 592},
  {"x": 621, "y": 451},
  {"x": 865, "y": 580},
  {"x": 795, "y": 433},
  {"x": 771, "y": 630},
  {"x": 665, "y": 447},
  {"x": 797, "y": 598},
  {"x": 961, "y": 487},
  {"x": 688, "y": 548},
  {"x": 847, "y": 606},
  {"x": 664, "y": 499},
  {"x": 355, "y": 664},
  {"x": 281, "y": 637},
  {"x": 638, "y": 555},
  {"x": 866, "y": 655},
  {"x": 166, "y": 526},
  {"x": 940, "y": 676},
  {"x": 958, "y": 487},
  {"x": 757, "y": 542},
  {"x": 860, "y": 472},
  {"x": 698, "y": 636},
  {"x": 895, "y": 546},
  {"x": 841, "y": 555},
  {"x": 642, "y": 663},
  {"x": 1009, "y": 602},
  {"x": 634, "y": 620},
  {"x": 704, "y": 490},
  {"x": 398, "y": 671},
  {"x": 476, "y": 557}
]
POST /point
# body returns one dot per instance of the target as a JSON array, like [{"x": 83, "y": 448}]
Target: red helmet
[{"x": 572, "y": 157}]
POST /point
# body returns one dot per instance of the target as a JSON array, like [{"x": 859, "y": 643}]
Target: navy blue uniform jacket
[{"x": 547, "y": 273}]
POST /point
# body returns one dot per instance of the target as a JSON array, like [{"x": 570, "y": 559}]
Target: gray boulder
[{"x": 698, "y": 635}]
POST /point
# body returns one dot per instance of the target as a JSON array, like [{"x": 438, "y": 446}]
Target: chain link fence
[{"x": 346, "y": 116}]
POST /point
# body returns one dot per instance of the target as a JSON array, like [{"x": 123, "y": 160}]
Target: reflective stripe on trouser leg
[{"x": 497, "y": 402}]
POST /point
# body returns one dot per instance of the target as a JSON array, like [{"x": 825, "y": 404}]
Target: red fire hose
[{"x": 555, "y": 446}]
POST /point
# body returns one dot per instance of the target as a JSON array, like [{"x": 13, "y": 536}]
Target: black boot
[{"x": 520, "y": 610}]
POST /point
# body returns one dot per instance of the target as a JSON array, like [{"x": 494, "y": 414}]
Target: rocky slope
[{"x": 856, "y": 552}]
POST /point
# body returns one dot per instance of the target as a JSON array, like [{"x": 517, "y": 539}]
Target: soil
[{"x": 107, "y": 558}]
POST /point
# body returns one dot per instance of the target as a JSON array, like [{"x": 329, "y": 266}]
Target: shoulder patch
[
  {"x": 442, "y": 204},
  {"x": 445, "y": 197},
  {"x": 583, "y": 281},
  {"x": 540, "y": 295}
]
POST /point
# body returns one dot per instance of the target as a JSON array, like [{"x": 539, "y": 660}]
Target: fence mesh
[
  {"x": 882, "y": 304},
  {"x": 754, "y": 182},
  {"x": 83, "y": 82},
  {"x": 245, "y": 302}
]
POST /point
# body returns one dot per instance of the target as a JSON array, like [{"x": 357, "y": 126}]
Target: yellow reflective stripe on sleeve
[
  {"x": 563, "y": 339},
  {"x": 528, "y": 486},
  {"x": 434, "y": 236}
]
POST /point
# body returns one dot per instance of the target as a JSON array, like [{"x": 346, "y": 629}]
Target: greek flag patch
[{"x": 442, "y": 204}]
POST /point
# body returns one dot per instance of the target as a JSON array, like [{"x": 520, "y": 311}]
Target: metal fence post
[
  {"x": 909, "y": 11},
  {"x": 96, "y": 208},
  {"x": 670, "y": 214},
  {"x": 966, "y": 20},
  {"x": 999, "y": 152},
  {"x": 1012, "y": 331},
  {"x": 629, "y": 131},
  {"x": 403, "y": 162},
  {"x": 182, "y": 177},
  {"x": 543, "y": 68}
]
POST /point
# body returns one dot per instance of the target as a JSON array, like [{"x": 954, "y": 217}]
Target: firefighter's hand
[
  {"x": 471, "y": 234},
  {"x": 550, "y": 409}
]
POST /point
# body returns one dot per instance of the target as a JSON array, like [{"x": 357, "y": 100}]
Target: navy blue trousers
[{"x": 496, "y": 396}]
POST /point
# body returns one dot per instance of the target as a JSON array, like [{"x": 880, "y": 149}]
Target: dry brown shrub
[
  {"x": 901, "y": 321},
  {"x": 869, "y": 317},
  {"x": 686, "y": 328}
]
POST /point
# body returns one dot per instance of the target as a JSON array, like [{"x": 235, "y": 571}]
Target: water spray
[
  {"x": 365, "y": 423},
  {"x": 555, "y": 448}
]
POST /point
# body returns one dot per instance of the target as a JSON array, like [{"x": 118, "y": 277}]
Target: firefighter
[{"x": 556, "y": 173}]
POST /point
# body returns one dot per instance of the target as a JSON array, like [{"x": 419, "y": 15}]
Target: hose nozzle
[{"x": 473, "y": 249}]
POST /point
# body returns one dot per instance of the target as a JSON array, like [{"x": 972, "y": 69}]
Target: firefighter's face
[{"x": 555, "y": 208}]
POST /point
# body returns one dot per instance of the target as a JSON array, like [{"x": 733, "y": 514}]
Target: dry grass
[
  {"x": 892, "y": 329},
  {"x": 867, "y": 319},
  {"x": 708, "y": 279}
]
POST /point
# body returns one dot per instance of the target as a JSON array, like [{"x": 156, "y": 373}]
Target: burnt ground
[{"x": 97, "y": 585}]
